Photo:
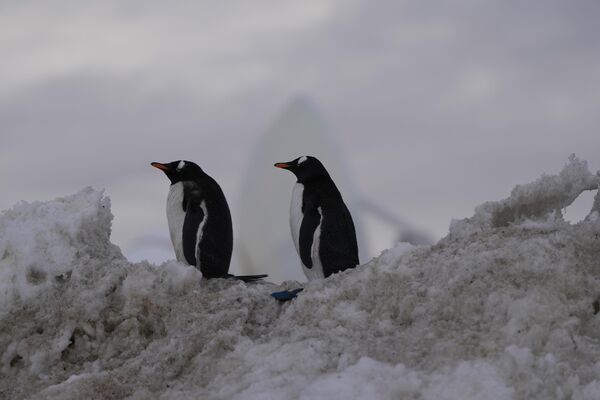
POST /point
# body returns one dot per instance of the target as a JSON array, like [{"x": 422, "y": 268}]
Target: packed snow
[{"x": 507, "y": 306}]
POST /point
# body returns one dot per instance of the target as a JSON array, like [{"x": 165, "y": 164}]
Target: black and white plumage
[
  {"x": 322, "y": 227},
  {"x": 199, "y": 220}
]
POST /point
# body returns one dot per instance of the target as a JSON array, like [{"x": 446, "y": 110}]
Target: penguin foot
[
  {"x": 251, "y": 278},
  {"x": 244, "y": 278},
  {"x": 286, "y": 295}
]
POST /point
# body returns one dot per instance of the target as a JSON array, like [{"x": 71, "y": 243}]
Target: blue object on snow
[{"x": 286, "y": 295}]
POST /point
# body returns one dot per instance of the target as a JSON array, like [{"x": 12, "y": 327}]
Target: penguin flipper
[
  {"x": 286, "y": 295},
  {"x": 310, "y": 222},
  {"x": 193, "y": 218},
  {"x": 339, "y": 248}
]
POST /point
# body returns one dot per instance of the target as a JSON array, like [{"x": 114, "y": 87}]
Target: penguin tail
[
  {"x": 286, "y": 295},
  {"x": 250, "y": 278}
]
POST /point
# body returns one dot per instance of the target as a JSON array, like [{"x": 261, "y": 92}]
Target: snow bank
[
  {"x": 549, "y": 194},
  {"x": 506, "y": 306}
]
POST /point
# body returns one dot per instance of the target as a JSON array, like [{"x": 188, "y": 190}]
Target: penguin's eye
[{"x": 180, "y": 165}]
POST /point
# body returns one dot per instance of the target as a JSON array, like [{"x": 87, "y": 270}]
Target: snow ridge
[
  {"x": 506, "y": 306},
  {"x": 547, "y": 195}
]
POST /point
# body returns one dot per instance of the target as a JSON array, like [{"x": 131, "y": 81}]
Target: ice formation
[
  {"x": 506, "y": 306},
  {"x": 536, "y": 200}
]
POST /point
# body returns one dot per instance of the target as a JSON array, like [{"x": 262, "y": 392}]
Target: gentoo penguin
[
  {"x": 322, "y": 227},
  {"x": 199, "y": 220}
]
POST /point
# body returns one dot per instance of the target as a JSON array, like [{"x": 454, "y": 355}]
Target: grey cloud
[
  {"x": 437, "y": 106},
  {"x": 90, "y": 127}
]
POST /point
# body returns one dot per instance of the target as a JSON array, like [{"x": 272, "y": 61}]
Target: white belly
[
  {"x": 296, "y": 216},
  {"x": 175, "y": 218}
]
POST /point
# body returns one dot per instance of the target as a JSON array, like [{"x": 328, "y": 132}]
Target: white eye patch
[
  {"x": 180, "y": 165},
  {"x": 301, "y": 160}
]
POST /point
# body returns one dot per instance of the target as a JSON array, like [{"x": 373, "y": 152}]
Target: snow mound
[
  {"x": 535, "y": 200},
  {"x": 506, "y": 306}
]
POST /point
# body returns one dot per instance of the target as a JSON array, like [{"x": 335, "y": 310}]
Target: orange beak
[
  {"x": 282, "y": 165},
  {"x": 160, "y": 166}
]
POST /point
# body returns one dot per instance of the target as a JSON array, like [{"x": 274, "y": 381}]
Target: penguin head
[
  {"x": 181, "y": 170},
  {"x": 305, "y": 168}
]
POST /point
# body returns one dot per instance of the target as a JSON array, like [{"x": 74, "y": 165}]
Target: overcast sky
[{"x": 437, "y": 106}]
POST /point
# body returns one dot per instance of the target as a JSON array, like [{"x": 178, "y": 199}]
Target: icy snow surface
[{"x": 506, "y": 306}]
